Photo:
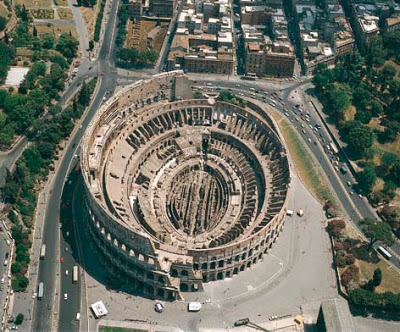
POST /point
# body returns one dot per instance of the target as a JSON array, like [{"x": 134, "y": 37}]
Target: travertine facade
[{"x": 181, "y": 191}]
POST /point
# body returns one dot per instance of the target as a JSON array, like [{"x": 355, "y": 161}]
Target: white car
[
  {"x": 66, "y": 272},
  {"x": 65, "y": 296}
]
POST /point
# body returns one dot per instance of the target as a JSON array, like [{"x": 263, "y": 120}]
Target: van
[
  {"x": 289, "y": 213},
  {"x": 78, "y": 316}
]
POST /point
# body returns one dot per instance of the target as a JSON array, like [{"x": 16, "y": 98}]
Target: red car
[{"x": 62, "y": 259}]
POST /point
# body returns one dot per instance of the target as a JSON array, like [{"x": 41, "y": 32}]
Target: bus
[
  {"x": 42, "y": 251},
  {"x": 75, "y": 274},
  {"x": 384, "y": 252},
  {"x": 334, "y": 148},
  {"x": 40, "y": 291}
]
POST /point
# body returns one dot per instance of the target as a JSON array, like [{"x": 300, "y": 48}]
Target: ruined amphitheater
[{"x": 181, "y": 191}]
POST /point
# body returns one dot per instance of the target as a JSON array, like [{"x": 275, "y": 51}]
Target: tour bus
[
  {"x": 75, "y": 273},
  {"x": 43, "y": 251},
  {"x": 384, "y": 252},
  {"x": 334, "y": 148},
  {"x": 40, "y": 291}
]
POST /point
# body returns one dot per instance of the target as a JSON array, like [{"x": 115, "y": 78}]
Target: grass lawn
[
  {"x": 137, "y": 35},
  {"x": 56, "y": 30},
  {"x": 3, "y": 10},
  {"x": 118, "y": 329},
  {"x": 62, "y": 3},
  {"x": 65, "y": 13},
  {"x": 34, "y": 3},
  {"x": 350, "y": 113},
  {"x": 390, "y": 278}
]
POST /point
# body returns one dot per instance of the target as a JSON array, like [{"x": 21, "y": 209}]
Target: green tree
[
  {"x": 377, "y": 278},
  {"x": 360, "y": 138},
  {"x": 84, "y": 95},
  {"x": 15, "y": 267},
  {"x": 377, "y": 231},
  {"x": 19, "y": 319},
  {"x": 67, "y": 46},
  {"x": 48, "y": 41},
  {"x": 3, "y": 23},
  {"x": 367, "y": 178},
  {"x": 389, "y": 72},
  {"x": 20, "y": 283},
  {"x": 91, "y": 45}
]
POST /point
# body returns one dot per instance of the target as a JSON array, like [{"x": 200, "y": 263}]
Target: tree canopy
[{"x": 377, "y": 231}]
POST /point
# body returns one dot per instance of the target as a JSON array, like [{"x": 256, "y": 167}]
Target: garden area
[
  {"x": 361, "y": 97},
  {"x": 369, "y": 282},
  {"x": 21, "y": 113}
]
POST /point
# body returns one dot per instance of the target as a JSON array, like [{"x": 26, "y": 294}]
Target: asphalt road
[{"x": 48, "y": 269}]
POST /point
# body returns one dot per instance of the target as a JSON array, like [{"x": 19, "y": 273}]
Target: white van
[
  {"x": 78, "y": 316},
  {"x": 289, "y": 213},
  {"x": 194, "y": 306}
]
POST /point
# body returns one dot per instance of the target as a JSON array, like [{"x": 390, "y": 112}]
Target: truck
[
  {"x": 40, "y": 290},
  {"x": 334, "y": 148},
  {"x": 42, "y": 251},
  {"x": 75, "y": 274}
]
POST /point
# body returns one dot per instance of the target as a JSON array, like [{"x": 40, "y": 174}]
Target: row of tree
[
  {"x": 370, "y": 85},
  {"x": 31, "y": 169}
]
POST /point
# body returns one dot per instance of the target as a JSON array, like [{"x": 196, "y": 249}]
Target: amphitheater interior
[{"x": 181, "y": 191}]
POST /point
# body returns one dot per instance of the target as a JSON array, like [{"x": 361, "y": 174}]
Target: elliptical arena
[{"x": 181, "y": 191}]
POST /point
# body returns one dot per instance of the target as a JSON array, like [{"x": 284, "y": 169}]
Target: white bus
[
  {"x": 42, "y": 251},
  {"x": 334, "y": 148},
  {"x": 384, "y": 252},
  {"x": 75, "y": 274},
  {"x": 40, "y": 291}
]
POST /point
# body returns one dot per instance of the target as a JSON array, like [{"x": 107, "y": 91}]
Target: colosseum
[{"x": 181, "y": 191}]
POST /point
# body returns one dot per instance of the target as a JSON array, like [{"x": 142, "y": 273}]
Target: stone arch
[
  {"x": 123, "y": 247},
  {"x": 131, "y": 253},
  {"x": 150, "y": 261},
  {"x": 174, "y": 273},
  {"x": 183, "y": 287},
  {"x": 220, "y": 276},
  {"x": 141, "y": 258},
  {"x": 242, "y": 267},
  {"x": 204, "y": 266},
  {"x": 255, "y": 260},
  {"x": 212, "y": 265},
  {"x": 228, "y": 274},
  {"x": 221, "y": 263},
  {"x": 109, "y": 236},
  {"x": 115, "y": 242},
  {"x": 150, "y": 289},
  {"x": 184, "y": 273},
  {"x": 194, "y": 288},
  {"x": 235, "y": 270},
  {"x": 237, "y": 258},
  {"x": 248, "y": 264},
  {"x": 244, "y": 255},
  {"x": 160, "y": 292}
]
